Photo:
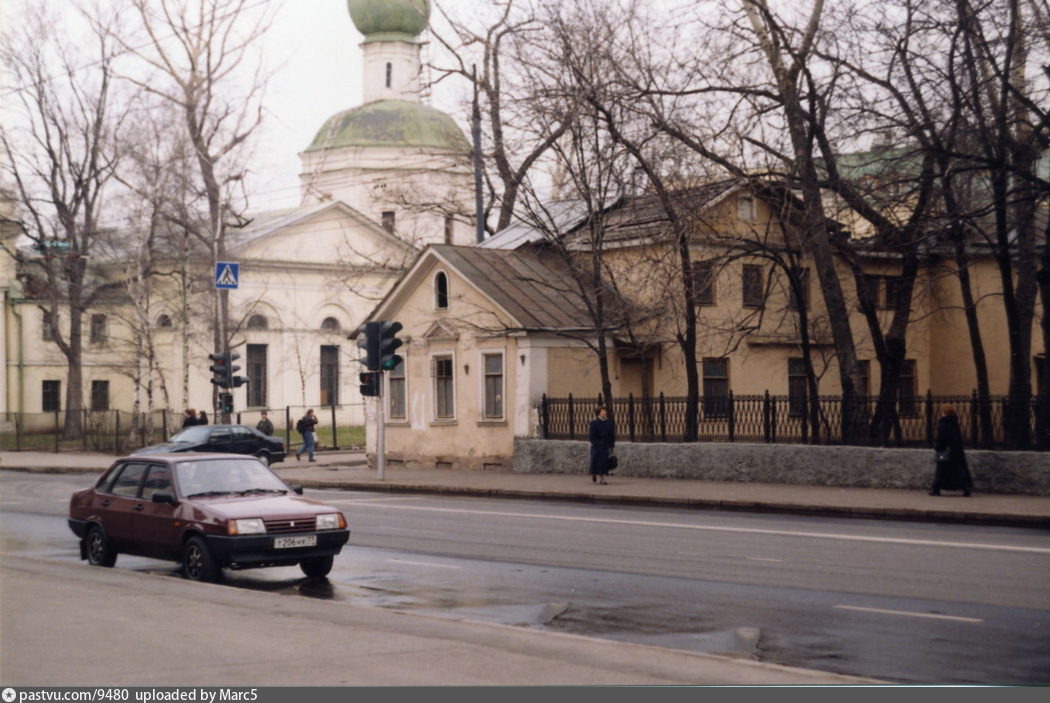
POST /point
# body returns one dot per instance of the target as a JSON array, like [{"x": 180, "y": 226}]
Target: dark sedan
[
  {"x": 227, "y": 439},
  {"x": 209, "y": 511}
]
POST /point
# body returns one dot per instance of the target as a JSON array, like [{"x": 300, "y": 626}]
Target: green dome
[
  {"x": 386, "y": 20},
  {"x": 396, "y": 123}
]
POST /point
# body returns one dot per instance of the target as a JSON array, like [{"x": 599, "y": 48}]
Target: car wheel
[
  {"x": 197, "y": 562},
  {"x": 264, "y": 458},
  {"x": 316, "y": 567},
  {"x": 99, "y": 550}
]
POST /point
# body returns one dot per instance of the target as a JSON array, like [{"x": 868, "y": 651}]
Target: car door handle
[
  {"x": 104, "y": 504},
  {"x": 139, "y": 506}
]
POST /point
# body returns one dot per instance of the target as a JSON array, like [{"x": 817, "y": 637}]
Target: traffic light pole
[{"x": 380, "y": 433}]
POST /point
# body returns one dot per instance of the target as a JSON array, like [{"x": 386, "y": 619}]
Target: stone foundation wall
[{"x": 1017, "y": 473}]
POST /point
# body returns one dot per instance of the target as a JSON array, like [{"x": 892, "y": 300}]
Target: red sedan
[{"x": 208, "y": 511}]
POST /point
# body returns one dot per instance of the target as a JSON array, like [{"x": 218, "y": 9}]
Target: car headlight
[
  {"x": 331, "y": 521},
  {"x": 246, "y": 526}
]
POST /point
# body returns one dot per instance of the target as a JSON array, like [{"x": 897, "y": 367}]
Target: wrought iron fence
[{"x": 782, "y": 419}]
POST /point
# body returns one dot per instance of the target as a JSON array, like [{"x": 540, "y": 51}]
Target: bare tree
[
  {"x": 200, "y": 58},
  {"x": 61, "y": 151}
]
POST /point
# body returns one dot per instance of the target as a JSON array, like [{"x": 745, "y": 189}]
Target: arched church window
[
  {"x": 330, "y": 324},
  {"x": 389, "y": 74},
  {"x": 258, "y": 322},
  {"x": 441, "y": 290}
]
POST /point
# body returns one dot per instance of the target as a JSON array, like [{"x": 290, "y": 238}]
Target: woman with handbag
[
  {"x": 603, "y": 439},
  {"x": 952, "y": 472}
]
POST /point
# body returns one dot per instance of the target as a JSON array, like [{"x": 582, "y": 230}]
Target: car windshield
[
  {"x": 226, "y": 476},
  {"x": 194, "y": 435}
]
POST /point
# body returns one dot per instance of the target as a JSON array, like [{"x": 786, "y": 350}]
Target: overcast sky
[{"x": 320, "y": 76}]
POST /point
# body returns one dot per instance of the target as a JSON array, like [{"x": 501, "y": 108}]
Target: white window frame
[
  {"x": 483, "y": 381},
  {"x": 434, "y": 356}
]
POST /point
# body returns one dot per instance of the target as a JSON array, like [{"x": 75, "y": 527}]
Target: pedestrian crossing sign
[{"x": 227, "y": 274}]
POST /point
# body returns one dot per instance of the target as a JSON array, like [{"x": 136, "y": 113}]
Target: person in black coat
[
  {"x": 202, "y": 419},
  {"x": 952, "y": 473},
  {"x": 189, "y": 418},
  {"x": 603, "y": 440}
]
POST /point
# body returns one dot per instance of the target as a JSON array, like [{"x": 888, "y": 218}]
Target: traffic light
[
  {"x": 372, "y": 332},
  {"x": 369, "y": 383},
  {"x": 226, "y": 401},
  {"x": 220, "y": 369},
  {"x": 236, "y": 381},
  {"x": 388, "y": 343}
]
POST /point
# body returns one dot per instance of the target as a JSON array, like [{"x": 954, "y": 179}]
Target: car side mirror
[
  {"x": 165, "y": 498},
  {"x": 297, "y": 489}
]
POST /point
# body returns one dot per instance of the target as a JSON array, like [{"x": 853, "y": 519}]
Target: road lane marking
[
  {"x": 908, "y": 613},
  {"x": 763, "y": 559},
  {"x": 737, "y": 530},
  {"x": 424, "y": 563},
  {"x": 355, "y": 501}
]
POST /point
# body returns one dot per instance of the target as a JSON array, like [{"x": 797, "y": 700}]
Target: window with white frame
[
  {"x": 493, "y": 400},
  {"x": 397, "y": 393},
  {"x": 444, "y": 391}
]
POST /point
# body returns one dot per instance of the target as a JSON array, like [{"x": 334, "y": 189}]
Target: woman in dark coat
[
  {"x": 603, "y": 440},
  {"x": 952, "y": 474}
]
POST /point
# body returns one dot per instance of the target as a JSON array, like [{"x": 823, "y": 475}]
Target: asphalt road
[{"x": 896, "y": 601}]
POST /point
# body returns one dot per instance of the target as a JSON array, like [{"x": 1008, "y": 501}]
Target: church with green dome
[{"x": 394, "y": 159}]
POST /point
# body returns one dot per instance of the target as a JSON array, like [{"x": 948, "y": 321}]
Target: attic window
[
  {"x": 257, "y": 322},
  {"x": 330, "y": 324},
  {"x": 441, "y": 291},
  {"x": 164, "y": 321},
  {"x": 746, "y": 208}
]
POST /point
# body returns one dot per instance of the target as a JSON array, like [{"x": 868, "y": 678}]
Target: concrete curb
[{"x": 870, "y": 513}]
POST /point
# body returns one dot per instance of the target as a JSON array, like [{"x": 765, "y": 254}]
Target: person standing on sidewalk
[
  {"x": 189, "y": 418},
  {"x": 265, "y": 425},
  {"x": 306, "y": 427},
  {"x": 603, "y": 440},
  {"x": 952, "y": 473}
]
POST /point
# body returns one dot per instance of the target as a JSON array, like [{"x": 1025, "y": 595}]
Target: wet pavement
[{"x": 350, "y": 471}]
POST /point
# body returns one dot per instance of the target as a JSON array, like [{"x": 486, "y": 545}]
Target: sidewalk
[{"x": 349, "y": 471}]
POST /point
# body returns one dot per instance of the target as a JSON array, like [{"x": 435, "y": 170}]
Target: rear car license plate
[{"x": 290, "y": 542}]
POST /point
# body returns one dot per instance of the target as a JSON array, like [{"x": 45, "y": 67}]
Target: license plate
[{"x": 290, "y": 542}]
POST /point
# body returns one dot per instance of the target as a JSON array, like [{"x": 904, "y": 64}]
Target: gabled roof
[
  {"x": 262, "y": 224},
  {"x": 534, "y": 290}
]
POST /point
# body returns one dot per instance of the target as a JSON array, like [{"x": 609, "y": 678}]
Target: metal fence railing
[
  {"x": 119, "y": 432},
  {"x": 782, "y": 419}
]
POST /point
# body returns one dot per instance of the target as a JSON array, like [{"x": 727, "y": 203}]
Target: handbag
[
  {"x": 944, "y": 456},
  {"x": 612, "y": 463}
]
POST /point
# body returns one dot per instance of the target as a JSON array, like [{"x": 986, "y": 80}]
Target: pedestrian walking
[
  {"x": 202, "y": 419},
  {"x": 306, "y": 427},
  {"x": 603, "y": 439},
  {"x": 265, "y": 426},
  {"x": 951, "y": 472},
  {"x": 189, "y": 418}
]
